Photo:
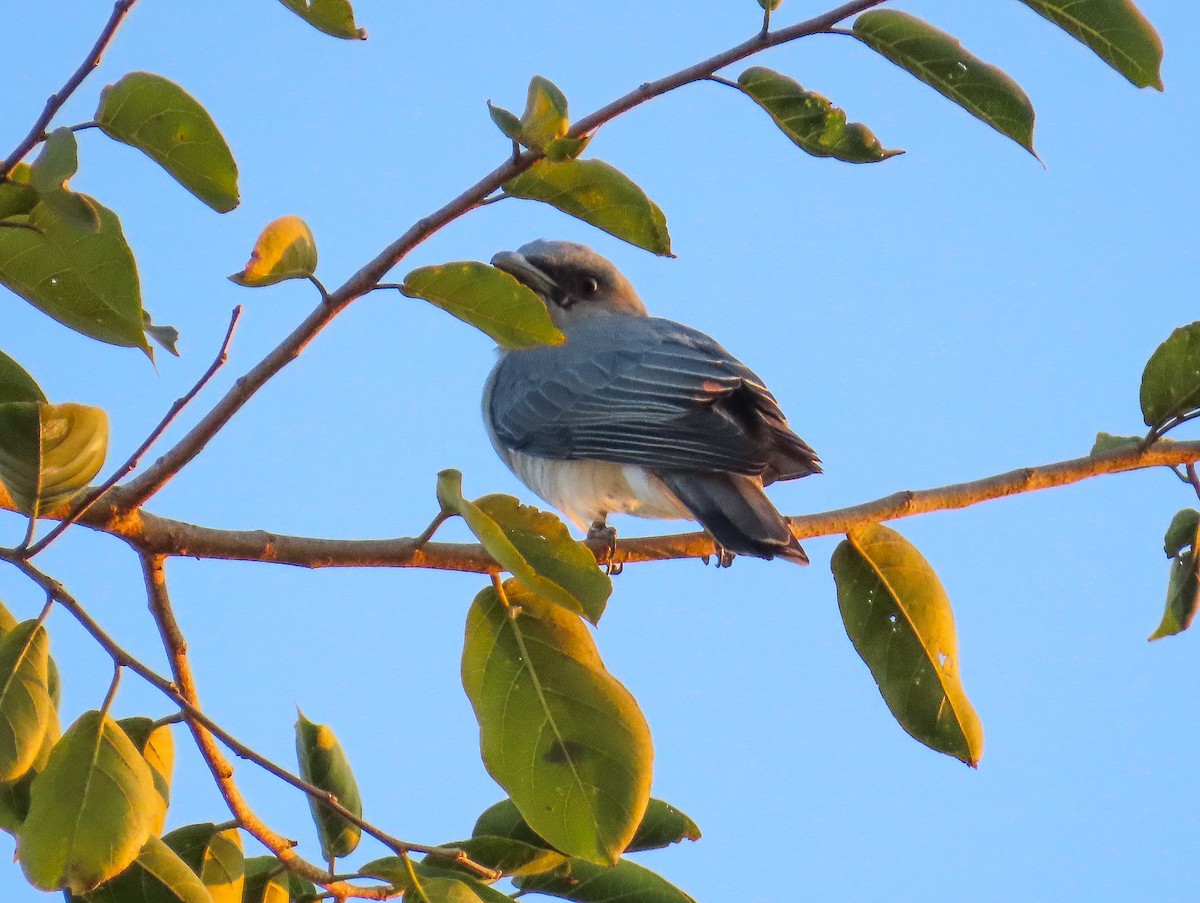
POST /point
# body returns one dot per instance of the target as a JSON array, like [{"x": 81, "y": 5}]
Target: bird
[{"x": 635, "y": 414}]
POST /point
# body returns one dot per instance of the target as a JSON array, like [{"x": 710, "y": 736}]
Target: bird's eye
[{"x": 589, "y": 285}]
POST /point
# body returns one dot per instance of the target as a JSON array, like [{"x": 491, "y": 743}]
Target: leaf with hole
[
  {"x": 26, "y": 707},
  {"x": 49, "y": 452},
  {"x": 158, "y": 875},
  {"x": 534, "y": 546},
  {"x": 812, "y": 123},
  {"x": 1115, "y": 30},
  {"x": 1171, "y": 380},
  {"x": 898, "y": 617},
  {"x": 168, "y": 125},
  {"x": 157, "y": 746},
  {"x": 939, "y": 60},
  {"x": 598, "y": 194},
  {"x": 87, "y": 281},
  {"x": 90, "y": 810},
  {"x": 15, "y": 383},
  {"x": 213, "y": 854},
  {"x": 323, "y": 763},
  {"x": 557, "y": 731},
  {"x": 588, "y": 883},
  {"x": 489, "y": 299},
  {"x": 285, "y": 249},
  {"x": 334, "y": 17}
]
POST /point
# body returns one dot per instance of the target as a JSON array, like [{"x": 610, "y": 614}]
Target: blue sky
[{"x": 952, "y": 313}]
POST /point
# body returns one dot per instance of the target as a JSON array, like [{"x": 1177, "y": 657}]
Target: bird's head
[{"x": 575, "y": 282}]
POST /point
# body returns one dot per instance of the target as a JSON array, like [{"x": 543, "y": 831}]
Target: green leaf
[
  {"x": 26, "y": 709},
  {"x": 554, "y": 568},
  {"x": 1115, "y": 30},
  {"x": 323, "y": 763},
  {"x": 1183, "y": 595},
  {"x": 15, "y": 383},
  {"x": 661, "y": 826},
  {"x": 489, "y": 299},
  {"x": 1181, "y": 533},
  {"x": 158, "y": 875},
  {"x": 507, "y": 122},
  {"x": 214, "y": 855},
  {"x": 557, "y": 731},
  {"x": 512, "y": 857},
  {"x": 770, "y": 5},
  {"x": 939, "y": 60},
  {"x": 504, "y": 820},
  {"x": 898, "y": 616},
  {"x": 1171, "y": 380},
  {"x": 55, "y": 165},
  {"x": 1106, "y": 443},
  {"x": 166, "y": 336},
  {"x": 17, "y": 196},
  {"x": 264, "y": 883},
  {"x": 90, "y": 810},
  {"x": 812, "y": 123},
  {"x": 49, "y": 452},
  {"x": 285, "y": 249},
  {"x": 598, "y": 194},
  {"x": 170, "y": 127},
  {"x": 87, "y": 281},
  {"x": 561, "y": 149},
  {"x": 334, "y": 17},
  {"x": 14, "y": 796},
  {"x": 545, "y": 117},
  {"x": 587, "y": 883},
  {"x": 445, "y": 890},
  {"x": 157, "y": 746}
]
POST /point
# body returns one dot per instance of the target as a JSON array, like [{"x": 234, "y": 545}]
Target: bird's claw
[{"x": 608, "y": 535}]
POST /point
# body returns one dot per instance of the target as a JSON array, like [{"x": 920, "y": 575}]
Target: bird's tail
[{"x": 736, "y": 511}]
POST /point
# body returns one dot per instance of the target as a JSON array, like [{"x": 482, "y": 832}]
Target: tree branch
[
  {"x": 56, "y": 100},
  {"x": 144, "y": 487}
]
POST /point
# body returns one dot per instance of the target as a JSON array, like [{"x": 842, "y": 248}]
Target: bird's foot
[
  {"x": 724, "y": 557},
  {"x": 608, "y": 535}
]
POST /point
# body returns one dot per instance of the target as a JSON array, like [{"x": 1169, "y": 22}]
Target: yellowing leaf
[
  {"x": 214, "y": 855},
  {"x": 323, "y": 764},
  {"x": 158, "y": 875},
  {"x": 334, "y": 17},
  {"x": 557, "y": 731},
  {"x": 26, "y": 709},
  {"x": 285, "y": 249},
  {"x": 157, "y": 746},
  {"x": 545, "y": 117},
  {"x": 898, "y": 616},
  {"x": 170, "y": 126},
  {"x": 50, "y": 452},
  {"x": 598, "y": 194},
  {"x": 488, "y": 299}
]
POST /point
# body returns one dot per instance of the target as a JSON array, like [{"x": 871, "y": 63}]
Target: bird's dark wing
[{"x": 644, "y": 391}]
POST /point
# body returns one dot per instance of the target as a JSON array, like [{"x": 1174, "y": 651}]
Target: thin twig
[
  {"x": 56, "y": 100},
  {"x": 720, "y": 80},
  {"x": 1192, "y": 479},
  {"x": 363, "y": 281},
  {"x": 91, "y": 498}
]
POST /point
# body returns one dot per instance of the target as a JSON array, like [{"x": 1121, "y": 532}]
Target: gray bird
[{"x": 638, "y": 415}]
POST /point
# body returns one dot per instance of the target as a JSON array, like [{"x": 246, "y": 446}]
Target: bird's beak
[{"x": 518, "y": 266}]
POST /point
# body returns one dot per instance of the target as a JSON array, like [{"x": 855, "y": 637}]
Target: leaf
[
  {"x": 507, "y": 122},
  {"x": 26, "y": 709},
  {"x": 49, "y": 452},
  {"x": 157, "y": 746},
  {"x": 598, "y": 194},
  {"x": 334, "y": 17},
  {"x": 587, "y": 883},
  {"x": 17, "y": 196},
  {"x": 1171, "y": 380},
  {"x": 661, "y": 826},
  {"x": 48, "y": 176},
  {"x": 528, "y": 530},
  {"x": 567, "y": 148},
  {"x": 87, "y": 281},
  {"x": 444, "y": 890},
  {"x": 770, "y": 5},
  {"x": 285, "y": 249},
  {"x": 512, "y": 857},
  {"x": 14, "y": 796},
  {"x": 1181, "y": 533},
  {"x": 264, "y": 883},
  {"x": 1183, "y": 595},
  {"x": 1115, "y": 30},
  {"x": 898, "y": 616},
  {"x": 1106, "y": 443},
  {"x": 90, "y": 810},
  {"x": 545, "y": 117},
  {"x": 214, "y": 855},
  {"x": 812, "y": 123},
  {"x": 15, "y": 383},
  {"x": 158, "y": 875},
  {"x": 939, "y": 60},
  {"x": 170, "y": 127},
  {"x": 166, "y": 336},
  {"x": 557, "y": 731},
  {"x": 323, "y": 763},
  {"x": 489, "y": 299}
]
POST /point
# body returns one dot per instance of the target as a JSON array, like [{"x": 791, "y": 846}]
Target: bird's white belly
[{"x": 586, "y": 491}]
